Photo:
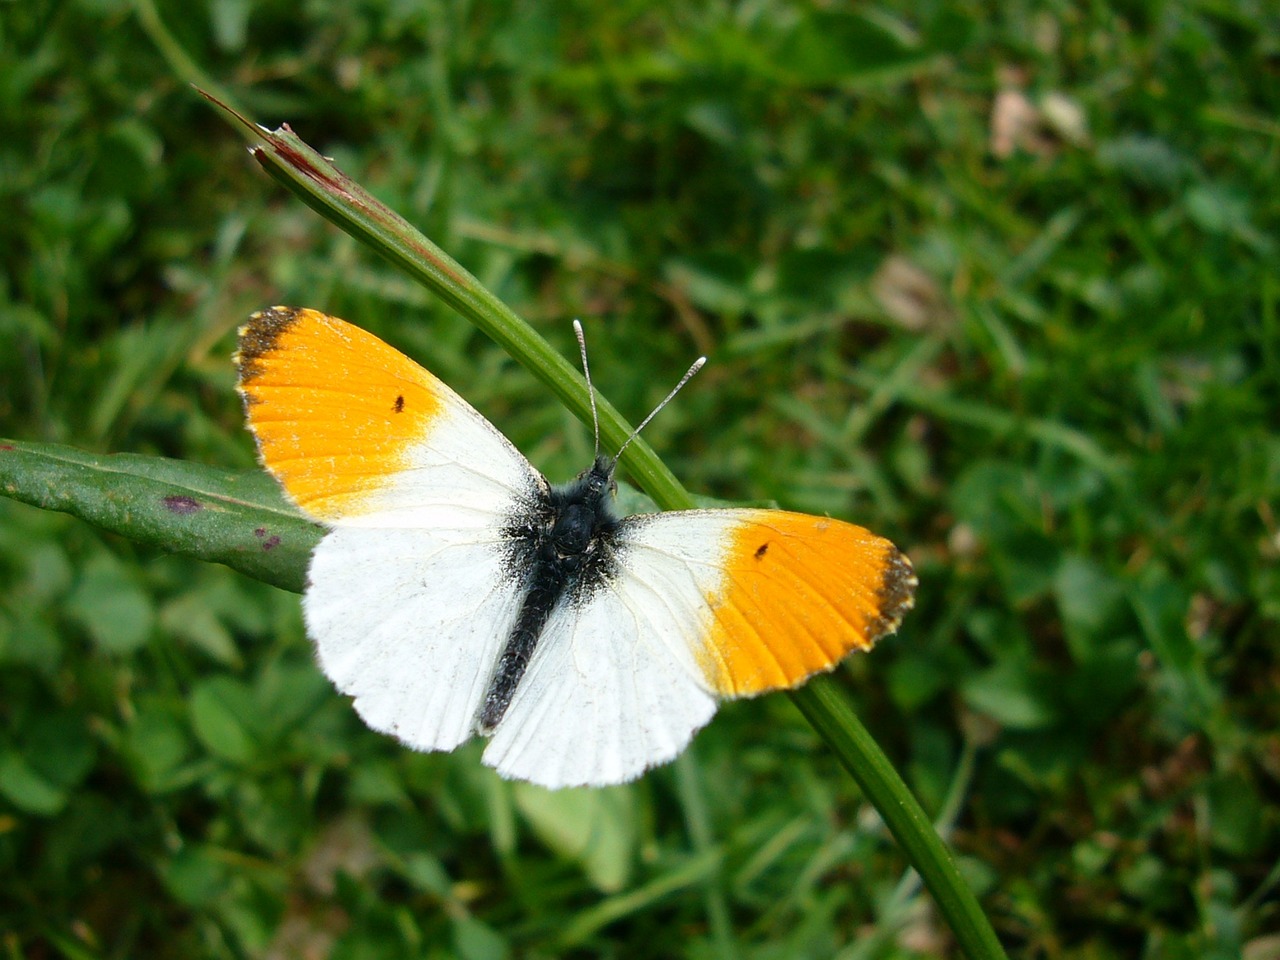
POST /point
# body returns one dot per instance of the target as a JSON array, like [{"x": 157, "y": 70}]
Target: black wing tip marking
[
  {"x": 896, "y": 595},
  {"x": 259, "y": 337}
]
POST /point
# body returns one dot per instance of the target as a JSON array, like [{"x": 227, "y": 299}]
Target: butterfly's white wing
[
  {"x": 411, "y": 623},
  {"x": 611, "y": 690},
  {"x": 704, "y": 604},
  {"x": 409, "y": 600}
]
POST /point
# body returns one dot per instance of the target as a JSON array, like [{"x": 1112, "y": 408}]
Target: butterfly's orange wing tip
[
  {"x": 801, "y": 593},
  {"x": 334, "y": 410}
]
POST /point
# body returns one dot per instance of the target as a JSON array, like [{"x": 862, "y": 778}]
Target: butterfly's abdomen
[{"x": 563, "y": 548}]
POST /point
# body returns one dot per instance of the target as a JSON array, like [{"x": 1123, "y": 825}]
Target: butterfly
[{"x": 458, "y": 593}]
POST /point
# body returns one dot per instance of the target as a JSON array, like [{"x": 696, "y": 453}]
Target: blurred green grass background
[{"x": 997, "y": 281}]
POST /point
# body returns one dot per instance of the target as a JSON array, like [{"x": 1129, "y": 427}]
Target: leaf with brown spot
[{"x": 239, "y": 518}]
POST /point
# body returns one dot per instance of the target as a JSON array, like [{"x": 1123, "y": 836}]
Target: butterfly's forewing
[
  {"x": 705, "y": 604},
  {"x": 359, "y": 434},
  {"x": 787, "y": 595},
  {"x": 409, "y": 600}
]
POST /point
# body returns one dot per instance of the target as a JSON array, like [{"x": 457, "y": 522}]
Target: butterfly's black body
[{"x": 562, "y": 543}]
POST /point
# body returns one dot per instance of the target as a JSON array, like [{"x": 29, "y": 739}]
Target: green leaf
[
  {"x": 193, "y": 618},
  {"x": 378, "y": 782},
  {"x": 593, "y": 827},
  {"x": 224, "y": 516},
  {"x": 1008, "y": 694},
  {"x": 1088, "y": 597},
  {"x": 48, "y": 572},
  {"x": 286, "y": 693},
  {"x": 222, "y": 711},
  {"x": 59, "y": 747},
  {"x": 1216, "y": 209},
  {"x": 26, "y": 788},
  {"x": 30, "y": 640},
  {"x": 1146, "y": 161},
  {"x": 195, "y": 876},
  {"x": 475, "y": 940},
  {"x": 1161, "y": 604},
  {"x": 111, "y": 606},
  {"x": 714, "y": 282},
  {"x": 914, "y": 679},
  {"x": 1026, "y": 563},
  {"x": 1236, "y": 818},
  {"x": 156, "y": 747},
  {"x": 849, "y": 50}
]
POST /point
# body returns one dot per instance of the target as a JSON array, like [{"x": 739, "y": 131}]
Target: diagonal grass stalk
[{"x": 319, "y": 184}]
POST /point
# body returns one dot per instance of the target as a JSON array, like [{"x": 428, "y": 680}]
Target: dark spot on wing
[
  {"x": 182, "y": 504},
  {"x": 762, "y": 550},
  {"x": 399, "y": 404}
]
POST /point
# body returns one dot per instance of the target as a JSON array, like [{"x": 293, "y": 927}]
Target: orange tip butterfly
[{"x": 457, "y": 593}]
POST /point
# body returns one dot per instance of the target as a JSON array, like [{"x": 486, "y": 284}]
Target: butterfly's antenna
[
  {"x": 591, "y": 391},
  {"x": 697, "y": 365}
]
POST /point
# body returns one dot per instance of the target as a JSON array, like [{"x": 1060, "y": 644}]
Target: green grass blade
[
  {"x": 180, "y": 62},
  {"x": 698, "y": 869},
  {"x": 240, "y": 519},
  {"x": 827, "y": 707},
  {"x": 1000, "y": 422}
]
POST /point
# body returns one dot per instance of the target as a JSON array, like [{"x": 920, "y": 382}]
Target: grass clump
[{"x": 998, "y": 285}]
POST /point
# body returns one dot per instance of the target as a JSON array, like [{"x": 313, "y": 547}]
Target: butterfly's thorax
[
  {"x": 571, "y": 535},
  {"x": 562, "y": 543}
]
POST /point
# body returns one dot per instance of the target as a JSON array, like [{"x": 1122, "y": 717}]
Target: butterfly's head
[
  {"x": 594, "y": 488},
  {"x": 598, "y": 478},
  {"x": 582, "y": 508}
]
